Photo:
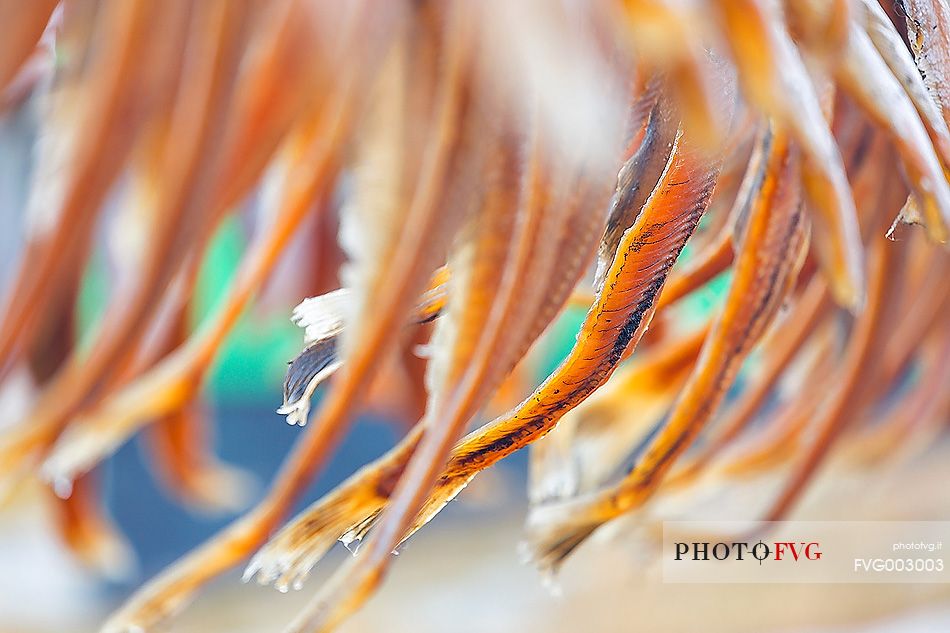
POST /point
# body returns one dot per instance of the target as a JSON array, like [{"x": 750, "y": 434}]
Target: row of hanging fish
[{"x": 455, "y": 175}]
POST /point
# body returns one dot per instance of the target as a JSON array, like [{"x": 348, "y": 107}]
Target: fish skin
[
  {"x": 488, "y": 260},
  {"x": 591, "y": 441},
  {"x": 351, "y": 510},
  {"x": 891, "y": 47},
  {"x": 849, "y": 388},
  {"x": 774, "y": 77},
  {"x": 775, "y": 238},
  {"x": 867, "y": 79},
  {"x": 83, "y": 376},
  {"x": 82, "y": 155},
  {"x": 928, "y": 32},
  {"x": 24, "y": 24},
  {"x": 673, "y": 212},
  {"x": 323, "y": 318},
  {"x": 636, "y": 180},
  {"x": 669, "y": 37},
  {"x": 86, "y": 528},
  {"x": 168, "y": 592},
  {"x": 803, "y": 320},
  {"x": 601, "y": 342},
  {"x": 314, "y": 360}
]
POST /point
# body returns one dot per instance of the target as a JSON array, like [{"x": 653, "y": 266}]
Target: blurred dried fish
[{"x": 467, "y": 153}]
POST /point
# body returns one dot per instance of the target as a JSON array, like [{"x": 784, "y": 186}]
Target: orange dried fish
[
  {"x": 669, "y": 37},
  {"x": 847, "y": 391},
  {"x": 775, "y": 77},
  {"x": 179, "y": 440},
  {"x": 471, "y": 353},
  {"x": 349, "y": 511},
  {"x": 82, "y": 142},
  {"x": 614, "y": 324},
  {"x": 865, "y": 76},
  {"x": 766, "y": 268},
  {"x": 480, "y": 138},
  {"x": 125, "y": 320},
  {"x": 914, "y": 422},
  {"x": 24, "y": 23},
  {"x": 800, "y": 323},
  {"x": 90, "y": 534},
  {"x": 408, "y": 257},
  {"x": 891, "y": 47},
  {"x": 591, "y": 441},
  {"x": 171, "y": 383},
  {"x": 785, "y": 428}
]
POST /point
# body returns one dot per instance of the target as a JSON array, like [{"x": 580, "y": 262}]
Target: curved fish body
[{"x": 764, "y": 275}]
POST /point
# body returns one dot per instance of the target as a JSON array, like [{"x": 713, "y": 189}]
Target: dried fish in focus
[{"x": 455, "y": 176}]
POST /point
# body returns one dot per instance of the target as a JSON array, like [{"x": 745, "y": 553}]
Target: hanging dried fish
[
  {"x": 462, "y": 156},
  {"x": 777, "y": 79},
  {"x": 775, "y": 235},
  {"x": 613, "y": 326}
]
